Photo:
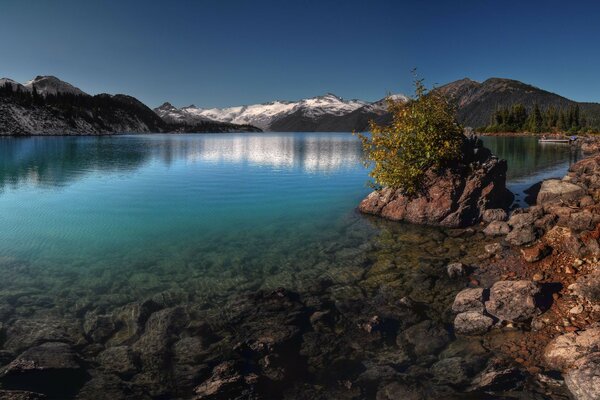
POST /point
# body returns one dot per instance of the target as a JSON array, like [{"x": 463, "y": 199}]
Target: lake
[
  {"x": 91, "y": 224},
  {"x": 242, "y": 205}
]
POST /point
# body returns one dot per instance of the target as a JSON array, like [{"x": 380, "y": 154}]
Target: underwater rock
[
  {"x": 120, "y": 360},
  {"x": 513, "y": 301},
  {"x": 229, "y": 380},
  {"x": 98, "y": 327},
  {"x": 495, "y": 378},
  {"x": 456, "y": 270},
  {"x": 52, "y": 368},
  {"x": 427, "y": 337},
  {"x": 456, "y": 196},
  {"x": 20, "y": 395}
]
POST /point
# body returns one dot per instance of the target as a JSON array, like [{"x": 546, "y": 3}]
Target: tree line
[{"x": 518, "y": 118}]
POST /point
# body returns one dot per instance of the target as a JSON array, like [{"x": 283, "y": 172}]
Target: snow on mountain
[
  {"x": 263, "y": 115},
  {"x": 15, "y": 85},
  {"x": 46, "y": 85}
]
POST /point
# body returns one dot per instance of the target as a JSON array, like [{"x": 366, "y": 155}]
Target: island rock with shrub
[{"x": 429, "y": 171}]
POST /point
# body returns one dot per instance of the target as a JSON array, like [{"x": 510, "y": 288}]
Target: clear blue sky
[{"x": 220, "y": 52}]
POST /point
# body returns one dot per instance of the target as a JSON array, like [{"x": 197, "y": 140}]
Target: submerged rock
[
  {"x": 456, "y": 270},
  {"x": 51, "y": 368},
  {"x": 457, "y": 196}
]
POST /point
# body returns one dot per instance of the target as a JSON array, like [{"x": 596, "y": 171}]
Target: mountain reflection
[{"x": 56, "y": 161}]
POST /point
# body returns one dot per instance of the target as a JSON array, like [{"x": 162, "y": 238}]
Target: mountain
[
  {"x": 322, "y": 113},
  {"x": 46, "y": 85},
  {"x": 477, "y": 101},
  {"x": 48, "y": 106}
]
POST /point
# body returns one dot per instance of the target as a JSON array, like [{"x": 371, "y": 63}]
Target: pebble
[
  {"x": 568, "y": 270},
  {"x": 578, "y": 263},
  {"x": 571, "y": 328},
  {"x": 578, "y": 309},
  {"x": 538, "y": 277}
]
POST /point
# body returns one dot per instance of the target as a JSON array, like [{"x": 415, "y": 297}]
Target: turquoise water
[{"x": 224, "y": 211}]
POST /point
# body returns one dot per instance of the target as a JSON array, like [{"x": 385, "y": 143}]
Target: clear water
[
  {"x": 212, "y": 213},
  {"x": 530, "y": 161}
]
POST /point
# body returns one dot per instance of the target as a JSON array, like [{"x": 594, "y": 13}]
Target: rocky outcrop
[{"x": 456, "y": 196}]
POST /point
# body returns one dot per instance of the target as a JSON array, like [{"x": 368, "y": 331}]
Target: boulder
[
  {"x": 559, "y": 191},
  {"x": 583, "y": 380},
  {"x": 468, "y": 300},
  {"x": 564, "y": 350},
  {"x": 522, "y": 235},
  {"x": 455, "y": 270},
  {"x": 427, "y": 337},
  {"x": 588, "y": 286},
  {"x": 536, "y": 252},
  {"x": 453, "y": 371},
  {"x": 565, "y": 240},
  {"x": 229, "y": 380},
  {"x": 494, "y": 215},
  {"x": 497, "y": 228},
  {"x": 472, "y": 323},
  {"x": 455, "y": 196},
  {"x": 120, "y": 360},
  {"x": 513, "y": 301},
  {"x": 518, "y": 220}
]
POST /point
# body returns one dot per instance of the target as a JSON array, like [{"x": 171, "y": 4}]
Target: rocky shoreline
[{"x": 542, "y": 278}]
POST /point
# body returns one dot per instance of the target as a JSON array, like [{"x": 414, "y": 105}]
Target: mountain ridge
[{"x": 47, "y": 105}]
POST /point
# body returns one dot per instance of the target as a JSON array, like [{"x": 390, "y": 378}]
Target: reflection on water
[
  {"x": 56, "y": 161},
  {"x": 530, "y": 162}
]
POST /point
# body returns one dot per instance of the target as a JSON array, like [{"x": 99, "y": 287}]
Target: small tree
[{"x": 424, "y": 134}]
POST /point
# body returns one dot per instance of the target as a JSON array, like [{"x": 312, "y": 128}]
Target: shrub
[{"x": 423, "y": 134}]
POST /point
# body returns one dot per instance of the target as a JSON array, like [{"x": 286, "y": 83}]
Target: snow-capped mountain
[
  {"x": 269, "y": 115},
  {"x": 22, "y": 113},
  {"x": 15, "y": 85},
  {"x": 46, "y": 85}
]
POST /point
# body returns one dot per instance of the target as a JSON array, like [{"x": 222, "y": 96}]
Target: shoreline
[{"x": 561, "y": 261}]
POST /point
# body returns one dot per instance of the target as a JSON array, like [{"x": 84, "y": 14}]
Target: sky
[{"x": 217, "y": 53}]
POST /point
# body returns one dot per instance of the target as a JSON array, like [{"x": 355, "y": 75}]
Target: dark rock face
[{"x": 457, "y": 196}]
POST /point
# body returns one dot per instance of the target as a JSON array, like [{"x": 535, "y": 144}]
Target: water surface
[{"x": 244, "y": 206}]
